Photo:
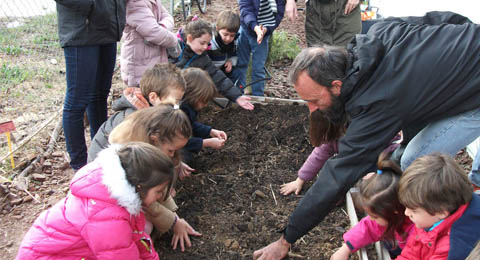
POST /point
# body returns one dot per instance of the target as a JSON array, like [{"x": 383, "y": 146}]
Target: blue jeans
[
  {"x": 89, "y": 71},
  {"x": 474, "y": 174},
  {"x": 246, "y": 45},
  {"x": 448, "y": 136}
]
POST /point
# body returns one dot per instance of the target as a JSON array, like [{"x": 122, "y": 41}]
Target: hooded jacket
[
  {"x": 146, "y": 36},
  {"x": 249, "y": 12},
  {"x": 199, "y": 130},
  {"x": 90, "y": 22},
  {"x": 100, "y": 218},
  {"x": 401, "y": 74}
]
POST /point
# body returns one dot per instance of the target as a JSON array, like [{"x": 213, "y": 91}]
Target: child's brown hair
[
  {"x": 228, "y": 20},
  {"x": 379, "y": 195},
  {"x": 146, "y": 167},
  {"x": 163, "y": 121},
  {"x": 197, "y": 27},
  {"x": 200, "y": 87},
  {"x": 435, "y": 183},
  {"x": 161, "y": 79}
]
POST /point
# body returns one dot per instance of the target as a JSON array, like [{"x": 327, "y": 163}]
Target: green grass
[
  {"x": 12, "y": 74},
  {"x": 282, "y": 46}
]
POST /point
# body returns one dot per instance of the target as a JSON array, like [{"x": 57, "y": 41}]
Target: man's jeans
[
  {"x": 448, "y": 136},
  {"x": 474, "y": 174},
  {"x": 246, "y": 45},
  {"x": 89, "y": 71}
]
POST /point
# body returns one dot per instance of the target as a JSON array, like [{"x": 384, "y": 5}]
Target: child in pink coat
[
  {"x": 101, "y": 217},
  {"x": 386, "y": 219},
  {"x": 146, "y": 37}
]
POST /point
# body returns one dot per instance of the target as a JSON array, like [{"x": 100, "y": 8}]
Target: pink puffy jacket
[
  {"x": 99, "y": 219},
  {"x": 145, "y": 38}
]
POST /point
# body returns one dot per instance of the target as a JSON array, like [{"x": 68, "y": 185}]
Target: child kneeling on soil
[
  {"x": 101, "y": 217},
  {"x": 200, "y": 90},
  {"x": 439, "y": 200},
  {"x": 162, "y": 84},
  {"x": 195, "y": 39},
  {"x": 385, "y": 220},
  {"x": 168, "y": 129}
]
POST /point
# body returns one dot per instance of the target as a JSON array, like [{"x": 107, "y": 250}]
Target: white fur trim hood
[{"x": 115, "y": 180}]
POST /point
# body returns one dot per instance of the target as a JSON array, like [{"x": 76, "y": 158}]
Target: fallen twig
[
  {"x": 274, "y": 198},
  {"x": 26, "y": 140},
  {"x": 293, "y": 255},
  {"x": 212, "y": 180}
]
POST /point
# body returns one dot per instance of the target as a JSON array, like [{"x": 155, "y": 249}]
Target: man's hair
[
  {"x": 323, "y": 64},
  {"x": 197, "y": 27},
  {"x": 435, "y": 183},
  {"x": 146, "y": 167},
  {"x": 200, "y": 87},
  {"x": 161, "y": 79},
  {"x": 229, "y": 21}
]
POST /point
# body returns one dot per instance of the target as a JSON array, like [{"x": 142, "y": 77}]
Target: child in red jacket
[{"x": 439, "y": 200}]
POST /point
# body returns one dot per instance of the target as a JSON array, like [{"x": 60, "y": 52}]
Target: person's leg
[
  {"x": 474, "y": 174},
  {"x": 318, "y": 23},
  {"x": 243, "y": 54},
  {"x": 446, "y": 136},
  {"x": 81, "y": 68},
  {"x": 259, "y": 57},
  {"x": 346, "y": 25},
  {"x": 97, "y": 108}
]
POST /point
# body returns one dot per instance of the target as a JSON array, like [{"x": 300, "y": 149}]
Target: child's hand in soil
[
  {"x": 228, "y": 66},
  {"x": 342, "y": 253},
  {"x": 215, "y": 143},
  {"x": 294, "y": 186},
  {"x": 181, "y": 232},
  {"x": 218, "y": 134},
  {"x": 184, "y": 171},
  {"x": 244, "y": 102}
]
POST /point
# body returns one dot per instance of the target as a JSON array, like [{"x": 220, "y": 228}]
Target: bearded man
[{"x": 403, "y": 73}]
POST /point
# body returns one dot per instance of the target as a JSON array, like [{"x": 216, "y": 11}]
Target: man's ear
[
  {"x": 336, "y": 87},
  {"x": 152, "y": 97}
]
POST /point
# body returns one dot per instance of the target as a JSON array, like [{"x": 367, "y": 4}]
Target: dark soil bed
[{"x": 234, "y": 199}]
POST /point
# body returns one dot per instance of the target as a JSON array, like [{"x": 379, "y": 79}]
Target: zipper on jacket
[{"x": 87, "y": 22}]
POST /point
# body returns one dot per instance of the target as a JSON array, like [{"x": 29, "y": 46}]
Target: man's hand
[
  {"x": 244, "y": 102},
  {"x": 291, "y": 10},
  {"x": 184, "y": 171},
  {"x": 181, "y": 232},
  {"x": 228, "y": 66},
  {"x": 351, "y": 4},
  {"x": 218, "y": 134},
  {"x": 275, "y": 251},
  {"x": 294, "y": 186}
]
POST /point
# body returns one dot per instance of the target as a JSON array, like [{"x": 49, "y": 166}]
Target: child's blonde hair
[
  {"x": 146, "y": 166},
  {"x": 228, "y": 20},
  {"x": 435, "y": 183},
  {"x": 200, "y": 87},
  {"x": 198, "y": 27},
  {"x": 161, "y": 79},
  {"x": 163, "y": 121}
]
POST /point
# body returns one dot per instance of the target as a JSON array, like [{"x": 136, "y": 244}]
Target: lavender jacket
[{"x": 146, "y": 36}]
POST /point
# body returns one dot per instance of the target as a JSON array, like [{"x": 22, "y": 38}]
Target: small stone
[
  {"x": 65, "y": 189},
  {"x": 16, "y": 201},
  {"x": 235, "y": 245},
  {"x": 340, "y": 229},
  {"x": 57, "y": 154},
  {"x": 47, "y": 163},
  {"x": 250, "y": 227},
  {"x": 18, "y": 217},
  {"x": 27, "y": 199},
  {"x": 50, "y": 192},
  {"x": 260, "y": 194},
  {"x": 54, "y": 61},
  {"x": 227, "y": 242},
  {"x": 12, "y": 196},
  {"x": 39, "y": 177},
  {"x": 4, "y": 212},
  {"x": 9, "y": 244}
]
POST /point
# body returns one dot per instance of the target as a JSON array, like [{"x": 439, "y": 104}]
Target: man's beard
[{"x": 328, "y": 125}]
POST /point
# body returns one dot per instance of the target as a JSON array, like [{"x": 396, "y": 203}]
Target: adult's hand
[
  {"x": 275, "y": 251},
  {"x": 291, "y": 10},
  {"x": 244, "y": 102},
  {"x": 181, "y": 232},
  {"x": 351, "y": 4}
]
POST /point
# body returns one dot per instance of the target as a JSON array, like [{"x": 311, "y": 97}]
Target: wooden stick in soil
[
  {"x": 274, "y": 198},
  {"x": 50, "y": 146},
  {"x": 26, "y": 140}
]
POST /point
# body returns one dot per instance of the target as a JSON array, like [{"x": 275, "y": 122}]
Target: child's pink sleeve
[
  {"x": 315, "y": 161},
  {"x": 141, "y": 17},
  {"x": 362, "y": 234}
]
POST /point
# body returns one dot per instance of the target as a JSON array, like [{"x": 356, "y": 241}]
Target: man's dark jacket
[
  {"x": 402, "y": 74},
  {"x": 90, "y": 22}
]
